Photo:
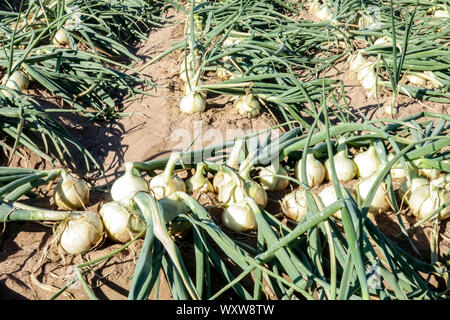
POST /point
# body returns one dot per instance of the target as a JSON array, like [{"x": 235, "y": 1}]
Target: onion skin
[
  {"x": 239, "y": 217},
  {"x": 128, "y": 183},
  {"x": 248, "y": 106},
  {"x": 328, "y": 196},
  {"x": 61, "y": 38},
  {"x": 193, "y": 103},
  {"x": 82, "y": 231},
  {"x": 294, "y": 205},
  {"x": 426, "y": 199},
  {"x": 380, "y": 203},
  {"x": 315, "y": 171},
  {"x": 345, "y": 167},
  {"x": 366, "y": 163},
  {"x": 71, "y": 193},
  {"x": 120, "y": 224},
  {"x": 271, "y": 183}
]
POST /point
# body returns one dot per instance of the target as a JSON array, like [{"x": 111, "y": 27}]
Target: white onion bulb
[
  {"x": 426, "y": 199},
  {"x": 397, "y": 171},
  {"x": 366, "y": 162},
  {"x": 17, "y": 81},
  {"x": 380, "y": 203},
  {"x": 198, "y": 182},
  {"x": 315, "y": 171},
  {"x": 167, "y": 183},
  {"x": 328, "y": 197},
  {"x": 406, "y": 188},
  {"x": 61, "y": 38},
  {"x": 271, "y": 183},
  {"x": 232, "y": 192},
  {"x": 71, "y": 193},
  {"x": 345, "y": 167},
  {"x": 120, "y": 224},
  {"x": 248, "y": 106},
  {"x": 128, "y": 183},
  {"x": 324, "y": 12},
  {"x": 368, "y": 77},
  {"x": 357, "y": 61},
  {"x": 239, "y": 217},
  {"x": 81, "y": 231},
  {"x": 220, "y": 178},
  {"x": 415, "y": 80},
  {"x": 294, "y": 205},
  {"x": 193, "y": 102}
]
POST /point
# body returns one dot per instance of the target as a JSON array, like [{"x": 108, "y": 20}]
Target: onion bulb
[
  {"x": 70, "y": 193},
  {"x": 81, "y": 232},
  {"x": 380, "y": 202},
  {"x": 415, "y": 79},
  {"x": 239, "y": 217},
  {"x": 410, "y": 185},
  {"x": 328, "y": 197},
  {"x": 128, "y": 183},
  {"x": 441, "y": 13},
  {"x": 397, "y": 171},
  {"x": 61, "y": 38},
  {"x": 198, "y": 182},
  {"x": 247, "y": 106},
  {"x": 357, "y": 61},
  {"x": 120, "y": 224},
  {"x": 345, "y": 167},
  {"x": 294, "y": 205},
  {"x": 240, "y": 185},
  {"x": 233, "y": 162},
  {"x": 315, "y": 171},
  {"x": 426, "y": 199},
  {"x": 193, "y": 102},
  {"x": 366, "y": 162},
  {"x": 17, "y": 81},
  {"x": 269, "y": 181},
  {"x": 368, "y": 77},
  {"x": 324, "y": 12},
  {"x": 167, "y": 183}
]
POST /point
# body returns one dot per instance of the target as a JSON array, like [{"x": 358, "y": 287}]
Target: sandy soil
[{"x": 155, "y": 127}]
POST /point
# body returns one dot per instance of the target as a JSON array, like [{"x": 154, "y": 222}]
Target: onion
[
  {"x": 328, "y": 197},
  {"x": 271, "y": 183},
  {"x": 426, "y": 199},
  {"x": 397, "y": 171},
  {"x": 380, "y": 201},
  {"x": 80, "y": 232},
  {"x": 198, "y": 182},
  {"x": 233, "y": 192},
  {"x": 71, "y": 193},
  {"x": 129, "y": 183},
  {"x": 357, "y": 61},
  {"x": 345, "y": 167},
  {"x": 61, "y": 38},
  {"x": 324, "y": 12},
  {"x": 239, "y": 217},
  {"x": 314, "y": 170},
  {"x": 407, "y": 187},
  {"x": 120, "y": 224},
  {"x": 247, "y": 106},
  {"x": 441, "y": 13},
  {"x": 368, "y": 77},
  {"x": 366, "y": 162},
  {"x": 233, "y": 162},
  {"x": 167, "y": 183},
  {"x": 415, "y": 80},
  {"x": 294, "y": 205},
  {"x": 193, "y": 102},
  {"x": 17, "y": 81},
  {"x": 172, "y": 207}
]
